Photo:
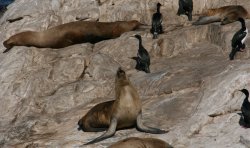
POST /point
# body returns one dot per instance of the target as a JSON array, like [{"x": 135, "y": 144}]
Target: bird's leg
[{"x": 242, "y": 47}]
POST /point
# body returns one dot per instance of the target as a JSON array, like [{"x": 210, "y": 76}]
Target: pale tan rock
[{"x": 191, "y": 90}]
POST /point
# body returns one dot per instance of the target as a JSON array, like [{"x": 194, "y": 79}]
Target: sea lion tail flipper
[
  {"x": 6, "y": 50},
  {"x": 7, "y": 45},
  {"x": 146, "y": 129},
  {"x": 109, "y": 133},
  {"x": 206, "y": 20}
]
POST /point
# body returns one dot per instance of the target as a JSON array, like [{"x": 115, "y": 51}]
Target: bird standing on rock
[
  {"x": 238, "y": 39},
  {"x": 142, "y": 59},
  {"x": 156, "y": 23},
  {"x": 186, "y": 8},
  {"x": 245, "y": 109}
]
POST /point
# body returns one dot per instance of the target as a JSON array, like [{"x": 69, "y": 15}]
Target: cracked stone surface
[{"x": 191, "y": 90}]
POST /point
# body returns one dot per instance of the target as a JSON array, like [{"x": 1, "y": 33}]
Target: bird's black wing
[
  {"x": 238, "y": 36},
  {"x": 246, "y": 113},
  {"x": 156, "y": 20},
  {"x": 143, "y": 55}
]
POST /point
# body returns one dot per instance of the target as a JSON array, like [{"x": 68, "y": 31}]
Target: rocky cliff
[{"x": 191, "y": 90}]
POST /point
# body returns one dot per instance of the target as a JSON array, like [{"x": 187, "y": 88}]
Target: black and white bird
[
  {"x": 186, "y": 8},
  {"x": 239, "y": 38},
  {"x": 142, "y": 59},
  {"x": 156, "y": 23},
  {"x": 245, "y": 109}
]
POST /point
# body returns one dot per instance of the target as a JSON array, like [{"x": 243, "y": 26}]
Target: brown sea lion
[
  {"x": 123, "y": 112},
  {"x": 71, "y": 33},
  {"x": 225, "y": 15},
  {"x": 134, "y": 142}
]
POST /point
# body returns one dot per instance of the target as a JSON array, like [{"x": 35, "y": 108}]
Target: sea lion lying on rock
[
  {"x": 225, "y": 15},
  {"x": 71, "y": 33}
]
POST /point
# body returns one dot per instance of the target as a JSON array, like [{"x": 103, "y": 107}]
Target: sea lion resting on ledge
[
  {"x": 225, "y": 15},
  {"x": 134, "y": 142},
  {"x": 124, "y": 112},
  {"x": 71, "y": 33}
]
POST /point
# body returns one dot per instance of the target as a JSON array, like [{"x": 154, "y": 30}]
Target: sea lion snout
[{"x": 120, "y": 72}]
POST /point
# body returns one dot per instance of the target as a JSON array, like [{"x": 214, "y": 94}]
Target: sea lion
[
  {"x": 186, "y": 8},
  {"x": 225, "y": 15},
  {"x": 245, "y": 109},
  {"x": 143, "y": 58},
  {"x": 123, "y": 112},
  {"x": 156, "y": 22},
  {"x": 135, "y": 142},
  {"x": 71, "y": 33},
  {"x": 239, "y": 38}
]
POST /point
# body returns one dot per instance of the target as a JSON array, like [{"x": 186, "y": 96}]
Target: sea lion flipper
[
  {"x": 109, "y": 133},
  {"x": 6, "y": 50},
  {"x": 206, "y": 20},
  {"x": 7, "y": 45},
  {"x": 146, "y": 129}
]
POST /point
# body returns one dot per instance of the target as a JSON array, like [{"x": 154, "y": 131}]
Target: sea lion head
[
  {"x": 121, "y": 78},
  {"x": 26, "y": 38}
]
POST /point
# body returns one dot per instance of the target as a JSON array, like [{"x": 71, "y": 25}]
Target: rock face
[{"x": 191, "y": 90}]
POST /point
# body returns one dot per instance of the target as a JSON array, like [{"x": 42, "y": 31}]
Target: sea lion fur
[
  {"x": 123, "y": 112},
  {"x": 135, "y": 142},
  {"x": 225, "y": 15},
  {"x": 71, "y": 33}
]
